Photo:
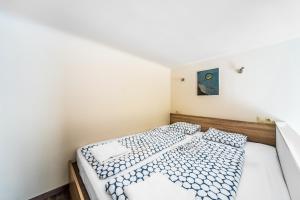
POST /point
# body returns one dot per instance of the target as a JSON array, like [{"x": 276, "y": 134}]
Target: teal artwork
[{"x": 208, "y": 82}]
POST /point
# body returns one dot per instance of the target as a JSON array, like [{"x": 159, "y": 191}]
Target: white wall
[
  {"x": 58, "y": 92},
  {"x": 269, "y": 86}
]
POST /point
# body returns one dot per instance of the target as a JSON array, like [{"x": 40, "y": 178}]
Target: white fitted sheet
[{"x": 262, "y": 178}]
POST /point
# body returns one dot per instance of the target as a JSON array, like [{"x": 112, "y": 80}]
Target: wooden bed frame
[
  {"x": 256, "y": 132},
  {"x": 76, "y": 186}
]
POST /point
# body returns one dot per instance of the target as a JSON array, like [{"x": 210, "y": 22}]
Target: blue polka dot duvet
[
  {"x": 142, "y": 146},
  {"x": 212, "y": 170}
]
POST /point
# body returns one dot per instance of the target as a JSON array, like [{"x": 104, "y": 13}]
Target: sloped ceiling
[{"x": 171, "y": 32}]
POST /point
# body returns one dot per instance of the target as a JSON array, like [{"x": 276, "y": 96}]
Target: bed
[{"x": 261, "y": 178}]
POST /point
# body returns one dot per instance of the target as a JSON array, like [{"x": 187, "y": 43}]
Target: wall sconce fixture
[{"x": 241, "y": 70}]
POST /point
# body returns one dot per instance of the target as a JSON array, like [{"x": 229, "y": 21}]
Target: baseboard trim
[{"x": 63, "y": 188}]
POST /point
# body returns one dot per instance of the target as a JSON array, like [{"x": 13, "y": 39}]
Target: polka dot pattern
[
  {"x": 212, "y": 170},
  {"x": 232, "y": 139},
  {"x": 142, "y": 146},
  {"x": 184, "y": 127}
]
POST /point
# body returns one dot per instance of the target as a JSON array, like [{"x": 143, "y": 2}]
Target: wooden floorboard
[
  {"x": 60, "y": 193},
  {"x": 62, "y": 196}
]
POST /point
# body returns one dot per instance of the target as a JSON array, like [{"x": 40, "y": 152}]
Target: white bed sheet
[{"x": 262, "y": 178}]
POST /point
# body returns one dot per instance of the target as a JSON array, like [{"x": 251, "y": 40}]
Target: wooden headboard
[{"x": 256, "y": 132}]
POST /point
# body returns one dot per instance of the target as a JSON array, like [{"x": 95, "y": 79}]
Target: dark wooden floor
[
  {"x": 64, "y": 195},
  {"x": 60, "y": 193}
]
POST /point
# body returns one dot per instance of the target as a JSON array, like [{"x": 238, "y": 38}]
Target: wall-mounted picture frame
[{"x": 208, "y": 82}]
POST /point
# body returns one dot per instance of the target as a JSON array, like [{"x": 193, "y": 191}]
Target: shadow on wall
[{"x": 228, "y": 109}]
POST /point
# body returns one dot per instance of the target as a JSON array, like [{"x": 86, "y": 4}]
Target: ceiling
[{"x": 171, "y": 32}]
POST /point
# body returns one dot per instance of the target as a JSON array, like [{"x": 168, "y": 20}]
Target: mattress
[{"x": 262, "y": 178}]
